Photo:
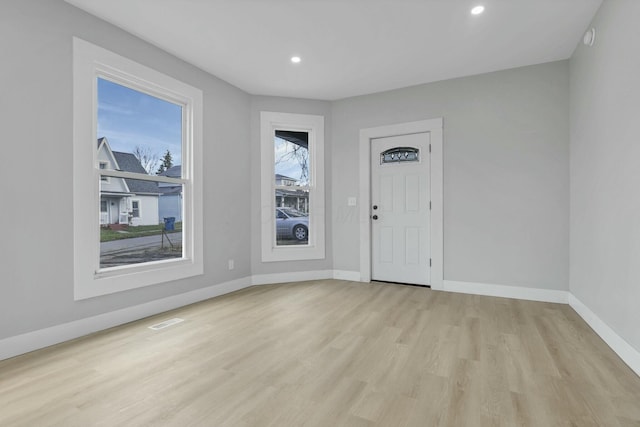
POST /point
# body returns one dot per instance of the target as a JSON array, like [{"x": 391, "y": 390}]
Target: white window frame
[
  {"x": 314, "y": 126},
  {"x": 89, "y": 63},
  {"x": 133, "y": 209}
]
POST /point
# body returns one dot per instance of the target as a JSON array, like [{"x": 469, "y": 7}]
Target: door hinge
[
  {"x": 429, "y": 262},
  {"x": 429, "y": 204},
  {"x": 429, "y": 147}
]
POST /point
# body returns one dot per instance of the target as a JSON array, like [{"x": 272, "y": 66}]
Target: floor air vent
[{"x": 166, "y": 323}]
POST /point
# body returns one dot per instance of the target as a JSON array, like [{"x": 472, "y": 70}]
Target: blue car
[{"x": 291, "y": 224}]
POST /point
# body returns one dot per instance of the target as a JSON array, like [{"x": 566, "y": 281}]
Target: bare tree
[
  {"x": 147, "y": 158},
  {"x": 299, "y": 154}
]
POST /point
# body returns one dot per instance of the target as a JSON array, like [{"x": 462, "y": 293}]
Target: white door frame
[{"x": 434, "y": 127}]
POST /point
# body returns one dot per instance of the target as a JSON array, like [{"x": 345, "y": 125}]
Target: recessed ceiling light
[
  {"x": 295, "y": 59},
  {"x": 477, "y": 10}
]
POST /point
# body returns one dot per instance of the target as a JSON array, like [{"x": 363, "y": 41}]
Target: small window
[
  {"x": 292, "y": 186},
  {"x": 135, "y": 208},
  {"x": 104, "y": 166},
  {"x": 103, "y": 206},
  {"x": 292, "y": 170},
  {"x": 400, "y": 154}
]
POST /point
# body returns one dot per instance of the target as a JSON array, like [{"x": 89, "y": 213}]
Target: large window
[
  {"x": 134, "y": 128},
  {"x": 131, "y": 123},
  {"x": 292, "y": 186}
]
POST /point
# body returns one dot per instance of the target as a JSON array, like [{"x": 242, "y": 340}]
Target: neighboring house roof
[
  {"x": 128, "y": 163},
  {"x": 173, "y": 172},
  {"x": 278, "y": 176},
  {"x": 296, "y": 193},
  {"x": 166, "y": 188},
  {"x": 167, "y": 191},
  {"x": 298, "y": 138},
  {"x": 104, "y": 142}
]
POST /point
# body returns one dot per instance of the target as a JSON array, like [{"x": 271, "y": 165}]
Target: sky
[{"x": 128, "y": 118}]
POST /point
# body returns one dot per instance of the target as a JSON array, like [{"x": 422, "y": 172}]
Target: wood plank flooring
[{"x": 331, "y": 353}]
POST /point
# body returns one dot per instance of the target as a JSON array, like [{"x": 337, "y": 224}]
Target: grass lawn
[{"x": 107, "y": 235}]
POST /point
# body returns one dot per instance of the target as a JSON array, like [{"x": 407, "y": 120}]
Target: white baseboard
[
  {"x": 627, "y": 353},
  {"x": 30, "y": 341},
  {"x": 302, "y": 276},
  {"x": 353, "y": 276},
  {"x": 529, "y": 294},
  {"x": 296, "y": 276}
]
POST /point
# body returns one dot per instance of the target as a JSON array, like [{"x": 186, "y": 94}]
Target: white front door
[
  {"x": 114, "y": 211},
  {"x": 400, "y": 196}
]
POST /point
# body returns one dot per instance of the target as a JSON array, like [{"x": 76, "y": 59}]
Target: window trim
[
  {"x": 314, "y": 125},
  {"x": 89, "y": 63}
]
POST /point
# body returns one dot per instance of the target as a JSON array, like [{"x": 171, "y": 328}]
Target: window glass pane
[
  {"x": 400, "y": 154},
  {"x": 135, "y": 209},
  {"x": 140, "y": 230},
  {"x": 291, "y": 158},
  {"x": 292, "y": 170},
  {"x": 292, "y": 224},
  {"x": 140, "y": 221},
  {"x": 140, "y": 125}
]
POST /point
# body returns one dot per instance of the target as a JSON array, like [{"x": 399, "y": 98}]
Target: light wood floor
[{"x": 331, "y": 353}]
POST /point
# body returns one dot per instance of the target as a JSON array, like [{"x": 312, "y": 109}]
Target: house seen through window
[{"x": 140, "y": 215}]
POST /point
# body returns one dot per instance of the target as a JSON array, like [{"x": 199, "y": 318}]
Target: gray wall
[
  {"x": 506, "y": 185},
  {"x": 605, "y": 170},
  {"x": 298, "y": 106},
  {"x": 36, "y": 251}
]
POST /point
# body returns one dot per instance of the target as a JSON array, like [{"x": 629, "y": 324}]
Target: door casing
[{"x": 435, "y": 128}]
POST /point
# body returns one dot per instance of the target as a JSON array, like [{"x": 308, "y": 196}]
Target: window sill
[
  {"x": 303, "y": 253},
  {"x": 117, "y": 280}
]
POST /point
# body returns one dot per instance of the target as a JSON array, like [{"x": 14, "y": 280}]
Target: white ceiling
[{"x": 351, "y": 47}]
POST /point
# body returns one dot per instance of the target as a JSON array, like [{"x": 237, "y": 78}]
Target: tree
[
  {"x": 147, "y": 158},
  {"x": 166, "y": 163},
  {"x": 295, "y": 153}
]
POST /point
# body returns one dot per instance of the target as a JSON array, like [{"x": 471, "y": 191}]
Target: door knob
[
  {"x": 375, "y": 207},
  {"x": 375, "y": 217}
]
